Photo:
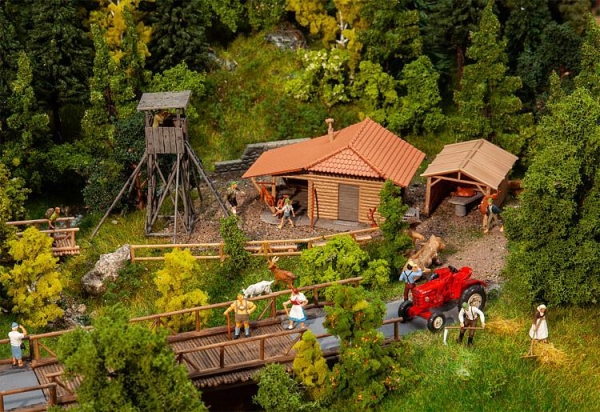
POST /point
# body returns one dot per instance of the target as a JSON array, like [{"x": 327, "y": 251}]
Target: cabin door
[{"x": 348, "y": 202}]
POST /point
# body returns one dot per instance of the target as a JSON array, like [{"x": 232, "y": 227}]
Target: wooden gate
[{"x": 348, "y": 202}]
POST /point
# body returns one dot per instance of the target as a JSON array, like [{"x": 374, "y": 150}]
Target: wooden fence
[{"x": 264, "y": 248}]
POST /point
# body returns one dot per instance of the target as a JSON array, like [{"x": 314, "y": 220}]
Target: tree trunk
[{"x": 460, "y": 60}]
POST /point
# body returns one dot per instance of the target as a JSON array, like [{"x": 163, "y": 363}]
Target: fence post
[
  {"x": 197, "y": 314},
  {"x": 36, "y": 349},
  {"x": 52, "y": 397},
  {"x": 132, "y": 253}
]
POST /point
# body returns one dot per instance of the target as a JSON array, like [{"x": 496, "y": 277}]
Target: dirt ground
[{"x": 466, "y": 245}]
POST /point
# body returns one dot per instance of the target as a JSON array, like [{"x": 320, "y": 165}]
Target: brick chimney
[{"x": 330, "y": 128}]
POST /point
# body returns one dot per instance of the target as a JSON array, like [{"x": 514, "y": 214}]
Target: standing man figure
[
  {"x": 493, "y": 212},
  {"x": 468, "y": 319},
  {"x": 410, "y": 277},
  {"x": 288, "y": 212},
  {"x": 242, "y": 309},
  {"x": 232, "y": 192},
  {"x": 16, "y": 339},
  {"x": 53, "y": 217}
]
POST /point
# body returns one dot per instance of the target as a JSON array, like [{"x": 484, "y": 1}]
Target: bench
[
  {"x": 411, "y": 214},
  {"x": 461, "y": 203}
]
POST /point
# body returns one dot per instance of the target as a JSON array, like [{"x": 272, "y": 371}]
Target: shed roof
[
  {"x": 479, "y": 159},
  {"x": 364, "y": 149},
  {"x": 164, "y": 100}
]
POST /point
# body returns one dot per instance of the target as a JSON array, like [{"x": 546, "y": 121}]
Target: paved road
[
  {"x": 20, "y": 378},
  {"x": 316, "y": 325}
]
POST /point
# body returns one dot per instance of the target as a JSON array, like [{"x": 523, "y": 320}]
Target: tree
[
  {"x": 441, "y": 32},
  {"x": 366, "y": 370},
  {"x": 25, "y": 150},
  {"x": 324, "y": 77},
  {"x": 393, "y": 227},
  {"x": 265, "y": 14},
  {"x": 418, "y": 110},
  {"x": 487, "y": 104},
  {"x": 277, "y": 391},
  {"x": 126, "y": 367},
  {"x": 60, "y": 53},
  {"x": 342, "y": 258},
  {"x": 391, "y": 36},
  {"x": 8, "y": 49},
  {"x": 179, "y": 34},
  {"x": 310, "y": 367},
  {"x": 590, "y": 59},
  {"x": 553, "y": 235},
  {"x": 12, "y": 199},
  {"x": 173, "y": 283},
  {"x": 33, "y": 283},
  {"x": 375, "y": 91},
  {"x": 235, "y": 240}
]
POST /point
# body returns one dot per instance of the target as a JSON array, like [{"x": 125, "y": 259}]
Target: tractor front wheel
[
  {"x": 403, "y": 310},
  {"x": 436, "y": 322},
  {"x": 474, "y": 296}
]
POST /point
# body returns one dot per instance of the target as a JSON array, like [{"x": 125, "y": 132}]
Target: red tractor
[{"x": 445, "y": 288}]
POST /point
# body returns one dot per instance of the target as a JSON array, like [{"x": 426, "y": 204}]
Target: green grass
[{"x": 492, "y": 376}]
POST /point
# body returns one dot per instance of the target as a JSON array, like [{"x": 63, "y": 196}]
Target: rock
[
  {"x": 290, "y": 39},
  {"x": 107, "y": 267}
]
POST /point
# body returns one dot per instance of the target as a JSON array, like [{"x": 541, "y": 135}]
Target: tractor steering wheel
[{"x": 452, "y": 269}]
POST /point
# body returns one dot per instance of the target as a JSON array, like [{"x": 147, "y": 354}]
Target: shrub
[
  {"x": 277, "y": 391},
  {"x": 235, "y": 240},
  {"x": 310, "y": 366}
]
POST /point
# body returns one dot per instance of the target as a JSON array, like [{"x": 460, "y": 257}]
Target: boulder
[{"x": 106, "y": 268}]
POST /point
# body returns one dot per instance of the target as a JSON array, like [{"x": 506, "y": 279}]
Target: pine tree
[
  {"x": 487, "y": 104},
  {"x": 179, "y": 35},
  {"x": 61, "y": 54},
  {"x": 8, "y": 50},
  {"x": 126, "y": 367},
  {"x": 33, "y": 283},
  {"x": 29, "y": 137}
]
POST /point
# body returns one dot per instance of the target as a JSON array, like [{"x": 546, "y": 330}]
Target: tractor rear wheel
[
  {"x": 436, "y": 322},
  {"x": 474, "y": 296},
  {"x": 403, "y": 310}
]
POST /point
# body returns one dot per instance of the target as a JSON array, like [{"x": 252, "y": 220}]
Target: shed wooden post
[{"x": 427, "y": 197}]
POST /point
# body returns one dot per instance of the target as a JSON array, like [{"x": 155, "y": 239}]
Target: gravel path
[{"x": 466, "y": 245}]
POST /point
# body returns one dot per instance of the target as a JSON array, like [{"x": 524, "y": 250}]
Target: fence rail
[{"x": 264, "y": 248}]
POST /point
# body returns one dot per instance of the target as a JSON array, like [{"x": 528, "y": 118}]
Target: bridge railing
[
  {"x": 264, "y": 248},
  {"x": 270, "y": 310},
  {"x": 64, "y": 237},
  {"x": 51, "y": 397},
  {"x": 228, "y": 350}
]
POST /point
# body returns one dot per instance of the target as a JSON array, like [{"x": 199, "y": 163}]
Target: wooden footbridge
[
  {"x": 211, "y": 358},
  {"x": 64, "y": 234}
]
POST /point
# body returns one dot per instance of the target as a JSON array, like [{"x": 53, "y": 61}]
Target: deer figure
[{"x": 284, "y": 276}]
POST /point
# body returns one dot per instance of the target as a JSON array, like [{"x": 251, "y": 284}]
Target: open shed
[
  {"x": 476, "y": 164},
  {"x": 343, "y": 171}
]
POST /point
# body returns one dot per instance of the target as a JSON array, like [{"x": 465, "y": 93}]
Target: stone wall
[{"x": 252, "y": 152}]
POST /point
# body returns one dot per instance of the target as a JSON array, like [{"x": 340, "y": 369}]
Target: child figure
[
  {"x": 296, "y": 314},
  {"x": 288, "y": 212}
]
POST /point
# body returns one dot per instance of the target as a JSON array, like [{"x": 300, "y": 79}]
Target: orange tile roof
[{"x": 364, "y": 149}]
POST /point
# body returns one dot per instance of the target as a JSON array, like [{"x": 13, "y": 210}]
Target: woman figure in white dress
[
  {"x": 539, "y": 328},
  {"x": 296, "y": 314}
]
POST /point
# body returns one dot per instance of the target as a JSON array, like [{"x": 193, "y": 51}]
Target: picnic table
[{"x": 461, "y": 203}]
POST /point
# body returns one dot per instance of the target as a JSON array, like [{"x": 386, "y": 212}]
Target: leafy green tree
[
  {"x": 265, "y": 14},
  {"x": 574, "y": 13},
  {"x": 12, "y": 199},
  {"x": 553, "y": 235},
  {"x": 310, "y": 367},
  {"x": 133, "y": 60},
  {"x": 419, "y": 109},
  {"x": 235, "y": 239},
  {"x": 33, "y": 283},
  {"x": 391, "y": 36},
  {"x": 25, "y": 150},
  {"x": 342, "y": 258},
  {"x": 366, "y": 370},
  {"x": 126, "y": 367},
  {"x": 173, "y": 283},
  {"x": 324, "y": 77},
  {"x": 487, "y": 104},
  {"x": 375, "y": 91},
  {"x": 277, "y": 391},
  {"x": 315, "y": 15},
  {"x": 393, "y": 227},
  {"x": 590, "y": 59},
  {"x": 179, "y": 34},
  {"x": 60, "y": 54}
]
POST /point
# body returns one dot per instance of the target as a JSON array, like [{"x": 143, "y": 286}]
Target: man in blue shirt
[{"x": 410, "y": 277}]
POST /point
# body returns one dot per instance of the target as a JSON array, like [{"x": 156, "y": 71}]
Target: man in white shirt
[
  {"x": 468, "y": 319},
  {"x": 16, "y": 339}
]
